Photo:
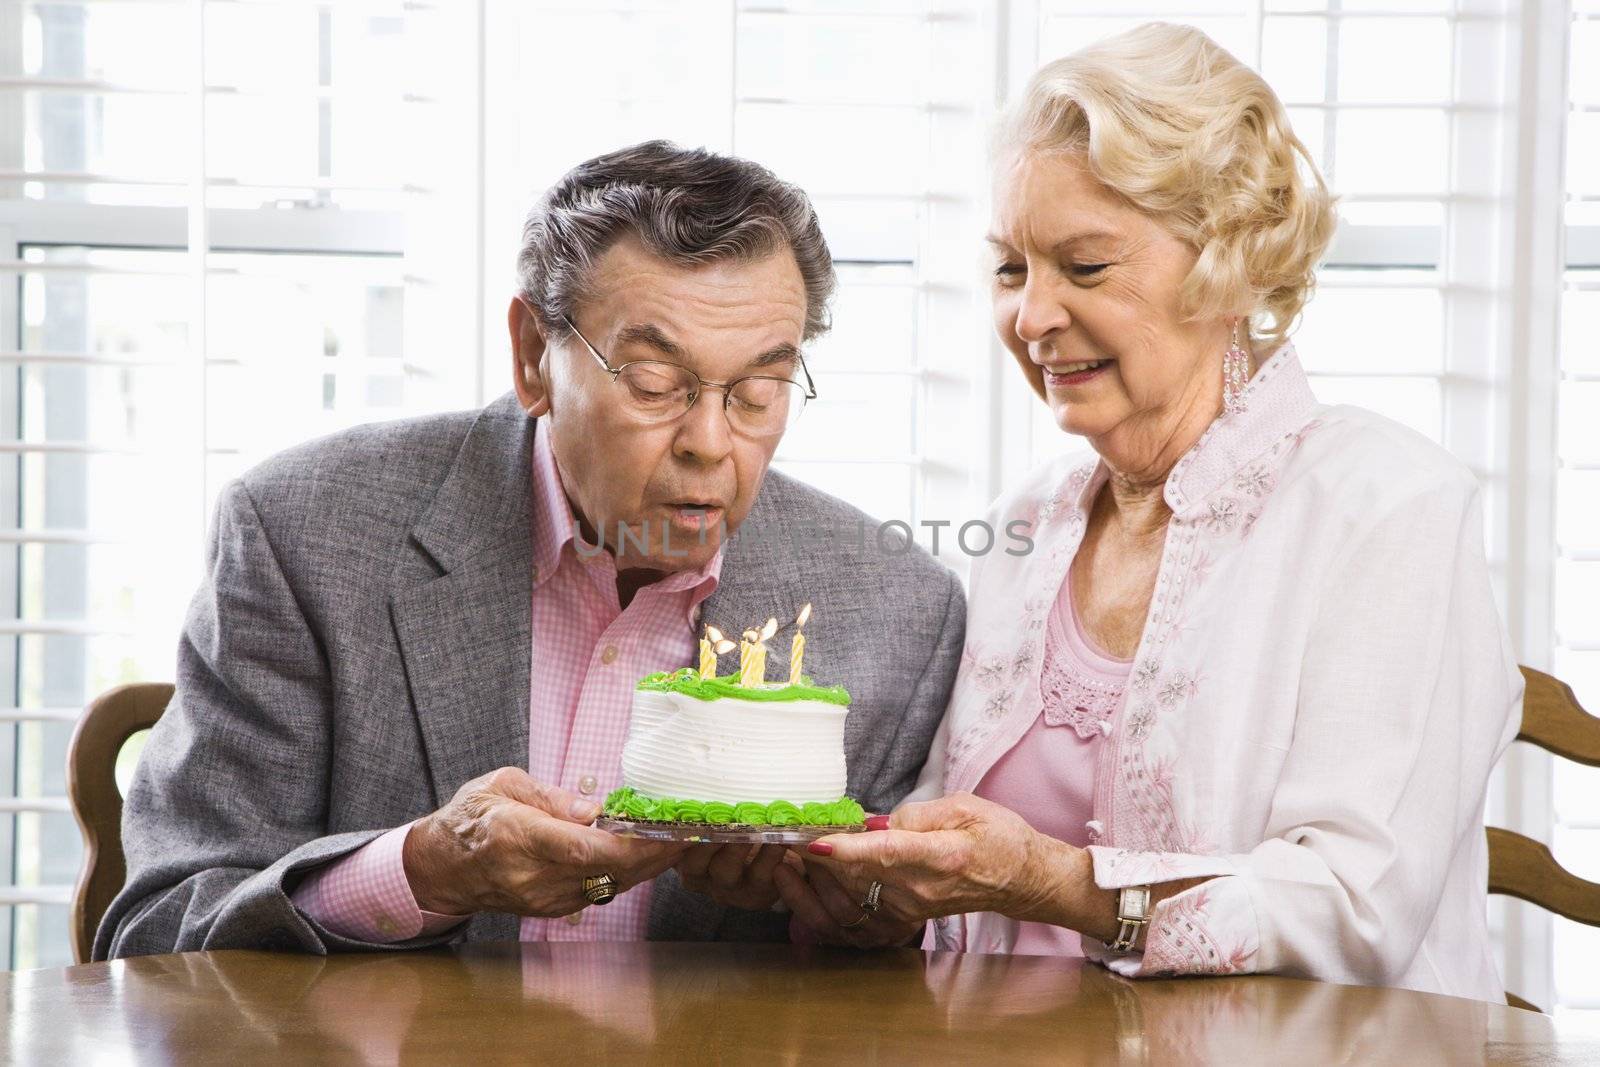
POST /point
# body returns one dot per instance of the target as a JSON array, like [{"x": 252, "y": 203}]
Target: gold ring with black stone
[{"x": 599, "y": 889}]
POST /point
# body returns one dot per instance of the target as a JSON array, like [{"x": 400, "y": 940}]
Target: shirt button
[
  {"x": 609, "y": 656},
  {"x": 586, "y": 784},
  {"x": 575, "y": 918}
]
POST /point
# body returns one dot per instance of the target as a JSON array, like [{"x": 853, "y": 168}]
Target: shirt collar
[
  {"x": 555, "y": 527},
  {"x": 1277, "y": 402}
]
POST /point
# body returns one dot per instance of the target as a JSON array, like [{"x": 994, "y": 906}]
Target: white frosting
[{"x": 735, "y": 750}]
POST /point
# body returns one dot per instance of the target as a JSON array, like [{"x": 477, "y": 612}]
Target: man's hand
[
  {"x": 507, "y": 843},
  {"x": 735, "y": 876}
]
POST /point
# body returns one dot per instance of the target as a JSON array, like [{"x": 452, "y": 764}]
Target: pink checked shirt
[{"x": 588, "y": 651}]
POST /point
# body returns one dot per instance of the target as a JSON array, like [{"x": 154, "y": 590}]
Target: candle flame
[
  {"x": 749, "y": 635},
  {"x": 714, "y": 635},
  {"x": 724, "y": 646},
  {"x": 768, "y": 630},
  {"x": 804, "y": 616}
]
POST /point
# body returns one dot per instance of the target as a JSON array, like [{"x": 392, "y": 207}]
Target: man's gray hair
[{"x": 687, "y": 205}]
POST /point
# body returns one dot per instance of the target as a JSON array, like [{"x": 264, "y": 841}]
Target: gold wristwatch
[{"x": 1133, "y": 911}]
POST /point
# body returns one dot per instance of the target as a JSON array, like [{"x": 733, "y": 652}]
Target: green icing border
[
  {"x": 627, "y": 803},
  {"x": 688, "y": 682}
]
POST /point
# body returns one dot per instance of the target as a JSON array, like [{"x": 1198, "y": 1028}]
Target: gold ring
[
  {"x": 873, "y": 903},
  {"x": 599, "y": 888},
  {"x": 864, "y": 916}
]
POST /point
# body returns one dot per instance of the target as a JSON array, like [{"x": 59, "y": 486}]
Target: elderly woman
[{"x": 1237, "y": 709}]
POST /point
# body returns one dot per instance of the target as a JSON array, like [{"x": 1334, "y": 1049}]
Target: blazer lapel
[{"x": 464, "y": 632}]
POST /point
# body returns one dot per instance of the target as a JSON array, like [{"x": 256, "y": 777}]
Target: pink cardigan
[{"x": 1320, "y": 692}]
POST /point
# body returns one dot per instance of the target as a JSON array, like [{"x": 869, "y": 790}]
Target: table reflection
[{"x": 631, "y": 1002}]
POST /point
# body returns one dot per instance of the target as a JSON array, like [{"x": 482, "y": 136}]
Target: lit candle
[
  {"x": 708, "y": 652},
  {"x": 797, "y": 647},
  {"x": 758, "y": 654},
  {"x": 747, "y": 645}
]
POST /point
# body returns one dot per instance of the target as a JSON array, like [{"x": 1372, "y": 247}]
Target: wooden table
[{"x": 607, "y": 1003}]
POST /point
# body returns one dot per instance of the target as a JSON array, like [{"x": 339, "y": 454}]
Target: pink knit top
[{"x": 1048, "y": 776}]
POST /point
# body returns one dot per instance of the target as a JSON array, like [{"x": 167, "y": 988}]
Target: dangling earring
[{"x": 1235, "y": 375}]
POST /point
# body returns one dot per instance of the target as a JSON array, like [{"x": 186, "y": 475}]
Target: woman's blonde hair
[{"x": 1181, "y": 129}]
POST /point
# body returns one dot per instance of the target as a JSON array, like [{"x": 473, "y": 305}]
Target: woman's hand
[
  {"x": 962, "y": 854},
  {"x": 823, "y": 912},
  {"x": 735, "y": 876}
]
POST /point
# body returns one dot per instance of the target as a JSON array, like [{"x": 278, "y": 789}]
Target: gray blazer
[{"x": 360, "y": 648}]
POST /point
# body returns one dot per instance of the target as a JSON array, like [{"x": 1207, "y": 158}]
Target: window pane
[
  {"x": 1062, "y": 35},
  {"x": 1577, "y": 593},
  {"x": 1578, "y": 510},
  {"x": 868, "y": 149},
  {"x": 1412, "y": 402},
  {"x": 1294, "y": 57},
  {"x": 124, "y": 314},
  {"x": 1585, "y": 73},
  {"x": 91, "y": 40},
  {"x": 1400, "y": 60},
  {"x": 1365, "y": 160},
  {"x": 128, "y": 135},
  {"x": 1580, "y": 325},
  {"x": 1340, "y": 324},
  {"x": 856, "y": 416},
  {"x": 39, "y": 936},
  {"x": 1576, "y": 948},
  {"x": 830, "y": 59},
  {"x": 1580, "y": 422},
  {"x": 882, "y": 490},
  {"x": 1583, "y": 153},
  {"x": 873, "y": 327}
]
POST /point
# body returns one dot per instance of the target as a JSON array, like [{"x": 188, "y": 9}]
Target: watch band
[{"x": 1133, "y": 912}]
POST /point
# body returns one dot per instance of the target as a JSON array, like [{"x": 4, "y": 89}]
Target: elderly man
[{"x": 406, "y": 679}]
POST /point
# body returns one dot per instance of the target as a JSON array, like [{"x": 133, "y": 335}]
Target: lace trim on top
[{"x": 1082, "y": 688}]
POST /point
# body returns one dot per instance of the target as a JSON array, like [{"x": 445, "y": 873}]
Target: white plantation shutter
[
  {"x": 220, "y": 233},
  {"x": 1576, "y": 541}
]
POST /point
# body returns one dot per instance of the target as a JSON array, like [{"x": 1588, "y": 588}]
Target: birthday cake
[{"x": 706, "y": 750}]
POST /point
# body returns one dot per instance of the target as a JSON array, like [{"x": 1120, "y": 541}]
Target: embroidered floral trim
[
  {"x": 1070, "y": 698},
  {"x": 1181, "y": 943}
]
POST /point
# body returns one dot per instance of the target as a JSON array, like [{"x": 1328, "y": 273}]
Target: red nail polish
[
  {"x": 877, "y": 822},
  {"x": 820, "y": 848}
]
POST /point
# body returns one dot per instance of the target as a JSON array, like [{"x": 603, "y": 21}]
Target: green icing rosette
[
  {"x": 748, "y": 814},
  {"x": 691, "y": 811},
  {"x": 687, "y": 681},
  {"x": 815, "y": 814},
  {"x": 783, "y": 813},
  {"x": 846, "y": 812},
  {"x": 627, "y": 803}
]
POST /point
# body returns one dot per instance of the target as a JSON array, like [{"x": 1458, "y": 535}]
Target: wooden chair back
[
  {"x": 1524, "y": 868},
  {"x": 107, "y": 723}
]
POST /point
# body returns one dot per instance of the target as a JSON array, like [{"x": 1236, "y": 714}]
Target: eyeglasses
[{"x": 655, "y": 391}]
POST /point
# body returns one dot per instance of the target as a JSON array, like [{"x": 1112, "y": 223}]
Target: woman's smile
[{"x": 1069, "y": 374}]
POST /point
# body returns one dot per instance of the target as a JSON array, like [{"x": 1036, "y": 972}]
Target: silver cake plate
[{"x": 719, "y": 833}]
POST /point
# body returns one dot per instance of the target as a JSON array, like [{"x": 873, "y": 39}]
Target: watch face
[{"x": 1134, "y": 902}]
